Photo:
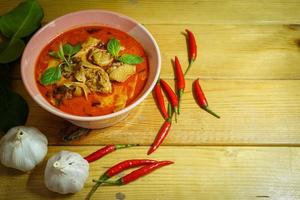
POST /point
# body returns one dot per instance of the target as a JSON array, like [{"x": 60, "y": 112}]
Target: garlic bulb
[
  {"x": 23, "y": 148},
  {"x": 66, "y": 172}
]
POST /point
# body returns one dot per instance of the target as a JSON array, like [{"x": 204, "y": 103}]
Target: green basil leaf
[
  {"x": 60, "y": 52},
  {"x": 70, "y": 50},
  {"x": 54, "y": 54},
  {"x": 130, "y": 59},
  {"x": 76, "y": 48},
  {"x": 51, "y": 75},
  {"x": 113, "y": 47},
  {"x": 22, "y": 20},
  {"x": 13, "y": 110},
  {"x": 11, "y": 50}
]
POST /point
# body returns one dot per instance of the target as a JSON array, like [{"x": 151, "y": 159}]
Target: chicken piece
[
  {"x": 121, "y": 72},
  {"x": 74, "y": 85},
  {"x": 91, "y": 42},
  {"x": 103, "y": 82},
  {"x": 94, "y": 77},
  {"x": 78, "y": 92},
  {"x": 89, "y": 74},
  {"x": 100, "y": 57},
  {"x": 81, "y": 56},
  {"x": 80, "y": 74},
  {"x": 98, "y": 80}
]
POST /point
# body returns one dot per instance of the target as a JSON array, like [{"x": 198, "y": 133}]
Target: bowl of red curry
[{"x": 91, "y": 67}]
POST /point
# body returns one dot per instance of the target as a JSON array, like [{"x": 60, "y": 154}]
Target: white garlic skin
[
  {"x": 66, "y": 172},
  {"x": 23, "y": 148}
]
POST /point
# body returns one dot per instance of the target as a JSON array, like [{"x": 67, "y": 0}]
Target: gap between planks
[{"x": 187, "y": 145}]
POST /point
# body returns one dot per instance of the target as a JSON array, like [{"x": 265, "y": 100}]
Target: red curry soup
[{"x": 92, "y": 71}]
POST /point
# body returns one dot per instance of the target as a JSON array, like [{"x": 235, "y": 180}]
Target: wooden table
[{"x": 249, "y": 65}]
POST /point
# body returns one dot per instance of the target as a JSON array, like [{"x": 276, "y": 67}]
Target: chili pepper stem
[
  {"x": 122, "y": 146},
  {"x": 93, "y": 190},
  {"x": 176, "y": 113},
  {"x": 188, "y": 68},
  {"x": 101, "y": 180},
  {"x": 211, "y": 112},
  {"x": 117, "y": 182},
  {"x": 180, "y": 93}
]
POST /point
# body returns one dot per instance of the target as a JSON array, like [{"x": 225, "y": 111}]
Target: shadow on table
[
  {"x": 36, "y": 185},
  {"x": 4, "y": 171}
]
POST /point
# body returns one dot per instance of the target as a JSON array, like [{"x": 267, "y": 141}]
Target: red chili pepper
[
  {"x": 134, "y": 175},
  {"x": 116, "y": 169},
  {"x": 162, "y": 133},
  {"x": 200, "y": 98},
  {"x": 192, "y": 49},
  {"x": 172, "y": 97},
  {"x": 160, "y": 100},
  {"x": 180, "y": 82},
  {"x": 106, "y": 150},
  {"x": 127, "y": 164}
]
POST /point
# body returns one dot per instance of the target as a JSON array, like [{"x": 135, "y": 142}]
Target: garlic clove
[
  {"x": 23, "y": 148},
  {"x": 66, "y": 172}
]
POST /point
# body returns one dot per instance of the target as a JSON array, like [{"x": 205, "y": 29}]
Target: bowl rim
[{"x": 101, "y": 117}]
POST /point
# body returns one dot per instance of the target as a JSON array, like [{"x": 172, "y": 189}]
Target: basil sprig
[
  {"x": 64, "y": 53},
  {"x": 114, "y": 47}
]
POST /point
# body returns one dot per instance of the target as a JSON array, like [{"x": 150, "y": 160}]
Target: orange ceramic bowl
[{"x": 86, "y": 18}]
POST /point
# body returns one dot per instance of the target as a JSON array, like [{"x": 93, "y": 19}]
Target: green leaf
[
  {"x": 22, "y": 20},
  {"x": 113, "y": 47},
  {"x": 11, "y": 50},
  {"x": 51, "y": 75},
  {"x": 70, "y": 50},
  {"x": 65, "y": 50},
  {"x": 130, "y": 59},
  {"x": 13, "y": 110},
  {"x": 76, "y": 48},
  {"x": 60, "y": 52},
  {"x": 54, "y": 54}
]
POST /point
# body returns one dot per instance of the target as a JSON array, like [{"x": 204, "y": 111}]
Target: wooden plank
[
  {"x": 198, "y": 173},
  {"x": 252, "y": 113},
  {"x": 181, "y": 12},
  {"x": 231, "y": 51}
]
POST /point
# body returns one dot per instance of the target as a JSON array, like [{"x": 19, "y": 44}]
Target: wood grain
[
  {"x": 181, "y": 12},
  {"x": 252, "y": 113},
  {"x": 230, "y": 51},
  {"x": 198, "y": 173},
  {"x": 248, "y": 62}
]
